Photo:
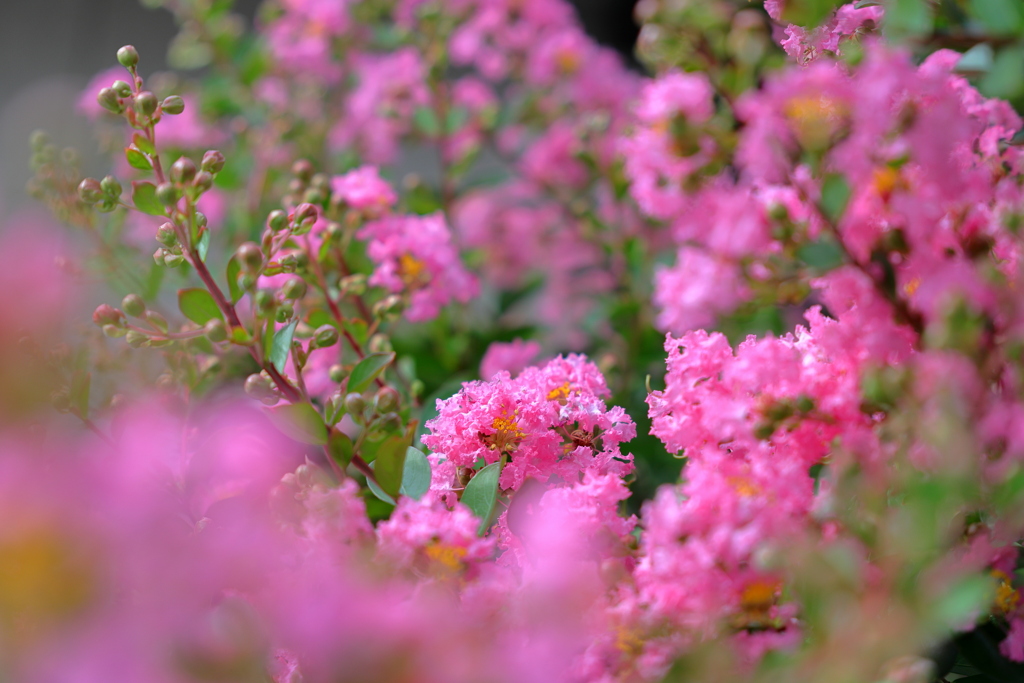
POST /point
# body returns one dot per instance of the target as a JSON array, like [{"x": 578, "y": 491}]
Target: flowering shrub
[{"x": 712, "y": 372}]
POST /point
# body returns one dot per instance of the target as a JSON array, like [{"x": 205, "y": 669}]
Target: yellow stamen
[
  {"x": 1007, "y": 597},
  {"x": 449, "y": 557},
  {"x": 560, "y": 394},
  {"x": 744, "y": 486},
  {"x": 628, "y": 641},
  {"x": 885, "y": 181},
  {"x": 759, "y": 595},
  {"x": 815, "y": 119},
  {"x": 413, "y": 271},
  {"x": 568, "y": 61},
  {"x": 912, "y": 286}
]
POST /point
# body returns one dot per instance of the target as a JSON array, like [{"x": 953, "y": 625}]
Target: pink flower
[
  {"x": 510, "y": 357},
  {"x": 363, "y": 190},
  {"x": 694, "y": 291},
  {"x": 414, "y": 255}
]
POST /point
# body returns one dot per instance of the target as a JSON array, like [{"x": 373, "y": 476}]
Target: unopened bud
[
  {"x": 157, "y": 320},
  {"x": 135, "y": 338},
  {"x": 265, "y": 302},
  {"x": 159, "y": 255},
  {"x": 284, "y": 312},
  {"x": 215, "y": 330},
  {"x": 201, "y": 220},
  {"x": 386, "y": 400},
  {"x": 355, "y": 405},
  {"x": 146, "y": 103},
  {"x": 90, "y": 191},
  {"x": 173, "y": 260},
  {"x": 337, "y": 373},
  {"x": 107, "y": 99},
  {"x": 313, "y": 196},
  {"x": 249, "y": 256},
  {"x": 113, "y": 331},
  {"x": 121, "y": 89},
  {"x": 391, "y": 422},
  {"x": 165, "y": 235},
  {"x": 294, "y": 288},
  {"x": 203, "y": 181},
  {"x": 303, "y": 170},
  {"x": 172, "y": 105},
  {"x": 111, "y": 187},
  {"x": 354, "y": 284},
  {"x": 128, "y": 57},
  {"x": 183, "y": 171},
  {"x": 277, "y": 220},
  {"x": 305, "y": 214},
  {"x": 107, "y": 315},
  {"x": 258, "y": 387},
  {"x": 326, "y": 336},
  {"x": 379, "y": 343},
  {"x": 167, "y": 194},
  {"x": 213, "y": 162},
  {"x": 133, "y": 305}
]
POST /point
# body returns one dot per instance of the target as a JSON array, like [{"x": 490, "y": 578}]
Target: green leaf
[
  {"x": 416, "y": 476},
  {"x": 143, "y": 143},
  {"x": 144, "y": 198},
  {"x": 482, "y": 492},
  {"x": 282, "y": 345},
  {"x": 339, "y": 445},
  {"x": 301, "y": 422},
  {"x": 908, "y": 19},
  {"x": 835, "y": 194},
  {"x": 1000, "y": 17},
  {"x": 357, "y": 328},
  {"x": 233, "y": 271},
  {"x": 426, "y": 121},
  {"x": 977, "y": 60},
  {"x": 204, "y": 245},
  {"x": 456, "y": 119},
  {"x": 136, "y": 159},
  {"x": 964, "y": 598},
  {"x": 824, "y": 255},
  {"x": 377, "y": 490},
  {"x": 80, "y": 383},
  {"x": 198, "y": 305},
  {"x": 1006, "y": 77},
  {"x": 389, "y": 465},
  {"x": 367, "y": 370},
  {"x": 808, "y": 13}
]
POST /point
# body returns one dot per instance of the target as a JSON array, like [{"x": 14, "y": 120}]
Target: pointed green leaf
[
  {"x": 204, "y": 245},
  {"x": 824, "y": 255},
  {"x": 282, "y": 345},
  {"x": 416, "y": 476},
  {"x": 339, "y": 445},
  {"x": 144, "y": 198},
  {"x": 457, "y": 117},
  {"x": 198, "y": 305},
  {"x": 136, "y": 159},
  {"x": 358, "y": 329},
  {"x": 80, "y": 383},
  {"x": 367, "y": 370},
  {"x": 390, "y": 464},
  {"x": 377, "y": 490},
  {"x": 426, "y": 121},
  {"x": 301, "y": 422},
  {"x": 835, "y": 194},
  {"x": 482, "y": 492},
  {"x": 234, "y": 270},
  {"x": 143, "y": 143}
]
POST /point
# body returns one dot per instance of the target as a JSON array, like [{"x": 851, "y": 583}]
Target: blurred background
[{"x": 49, "y": 50}]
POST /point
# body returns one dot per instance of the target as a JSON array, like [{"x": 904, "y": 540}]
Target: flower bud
[
  {"x": 250, "y": 257},
  {"x": 379, "y": 343},
  {"x": 183, "y": 171},
  {"x": 337, "y": 373},
  {"x": 146, "y": 103},
  {"x": 313, "y": 196},
  {"x": 107, "y": 99},
  {"x": 265, "y": 302},
  {"x": 284, "y": 312},
  {"x": 215, "y": 330},
  {"x": 277, "y": 220},
  {"x": 133, "y": 305},
  {"x": 159, "y": 255},
  {"x": 355, "y": 405},
  {"x": 90, "y": 191},
  {"x": 172, "y": 105},
  {"x": 258, "y": 387},
  {"x": 213, "y": 162},
  {"x": 201, "y": 220},
  {"x": 305, "y": 214},
  {"x": 113, "y": 331},
  {"x": 107, "y": 315},
  {"x": 354, "y": 284},
  {"x": 38, "y": 140},
  {"x": 167, "y": 194},
  {"x": 203, "y": 181},
  {"x": 165, "y": 235},
  {"x": 386, "y": 400},
  {"x": 135, "y": 338},
  {"x": 128, "y": 57},
  {"x": 111, "y": 187},
  {"x": 294, "y": 288},
  {"x": 121, "y": 89},
  {"x": 246, "y": 281},
  {"x": 326, "y": 335},
  {"x": 391, "y": 422},
  {"x": 157, "y": 320},
  {"x": 303, "y": 170},
  {"x": 173, "y": 260}
]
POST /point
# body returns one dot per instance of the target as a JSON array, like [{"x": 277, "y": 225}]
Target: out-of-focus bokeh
[{"x": 49, "y": 49}]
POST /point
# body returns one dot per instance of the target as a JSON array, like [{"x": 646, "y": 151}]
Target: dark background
[{"x": 49, "y": 49}]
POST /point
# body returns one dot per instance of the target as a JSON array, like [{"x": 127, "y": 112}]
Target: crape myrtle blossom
[{"x": 549, "y": 423}]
